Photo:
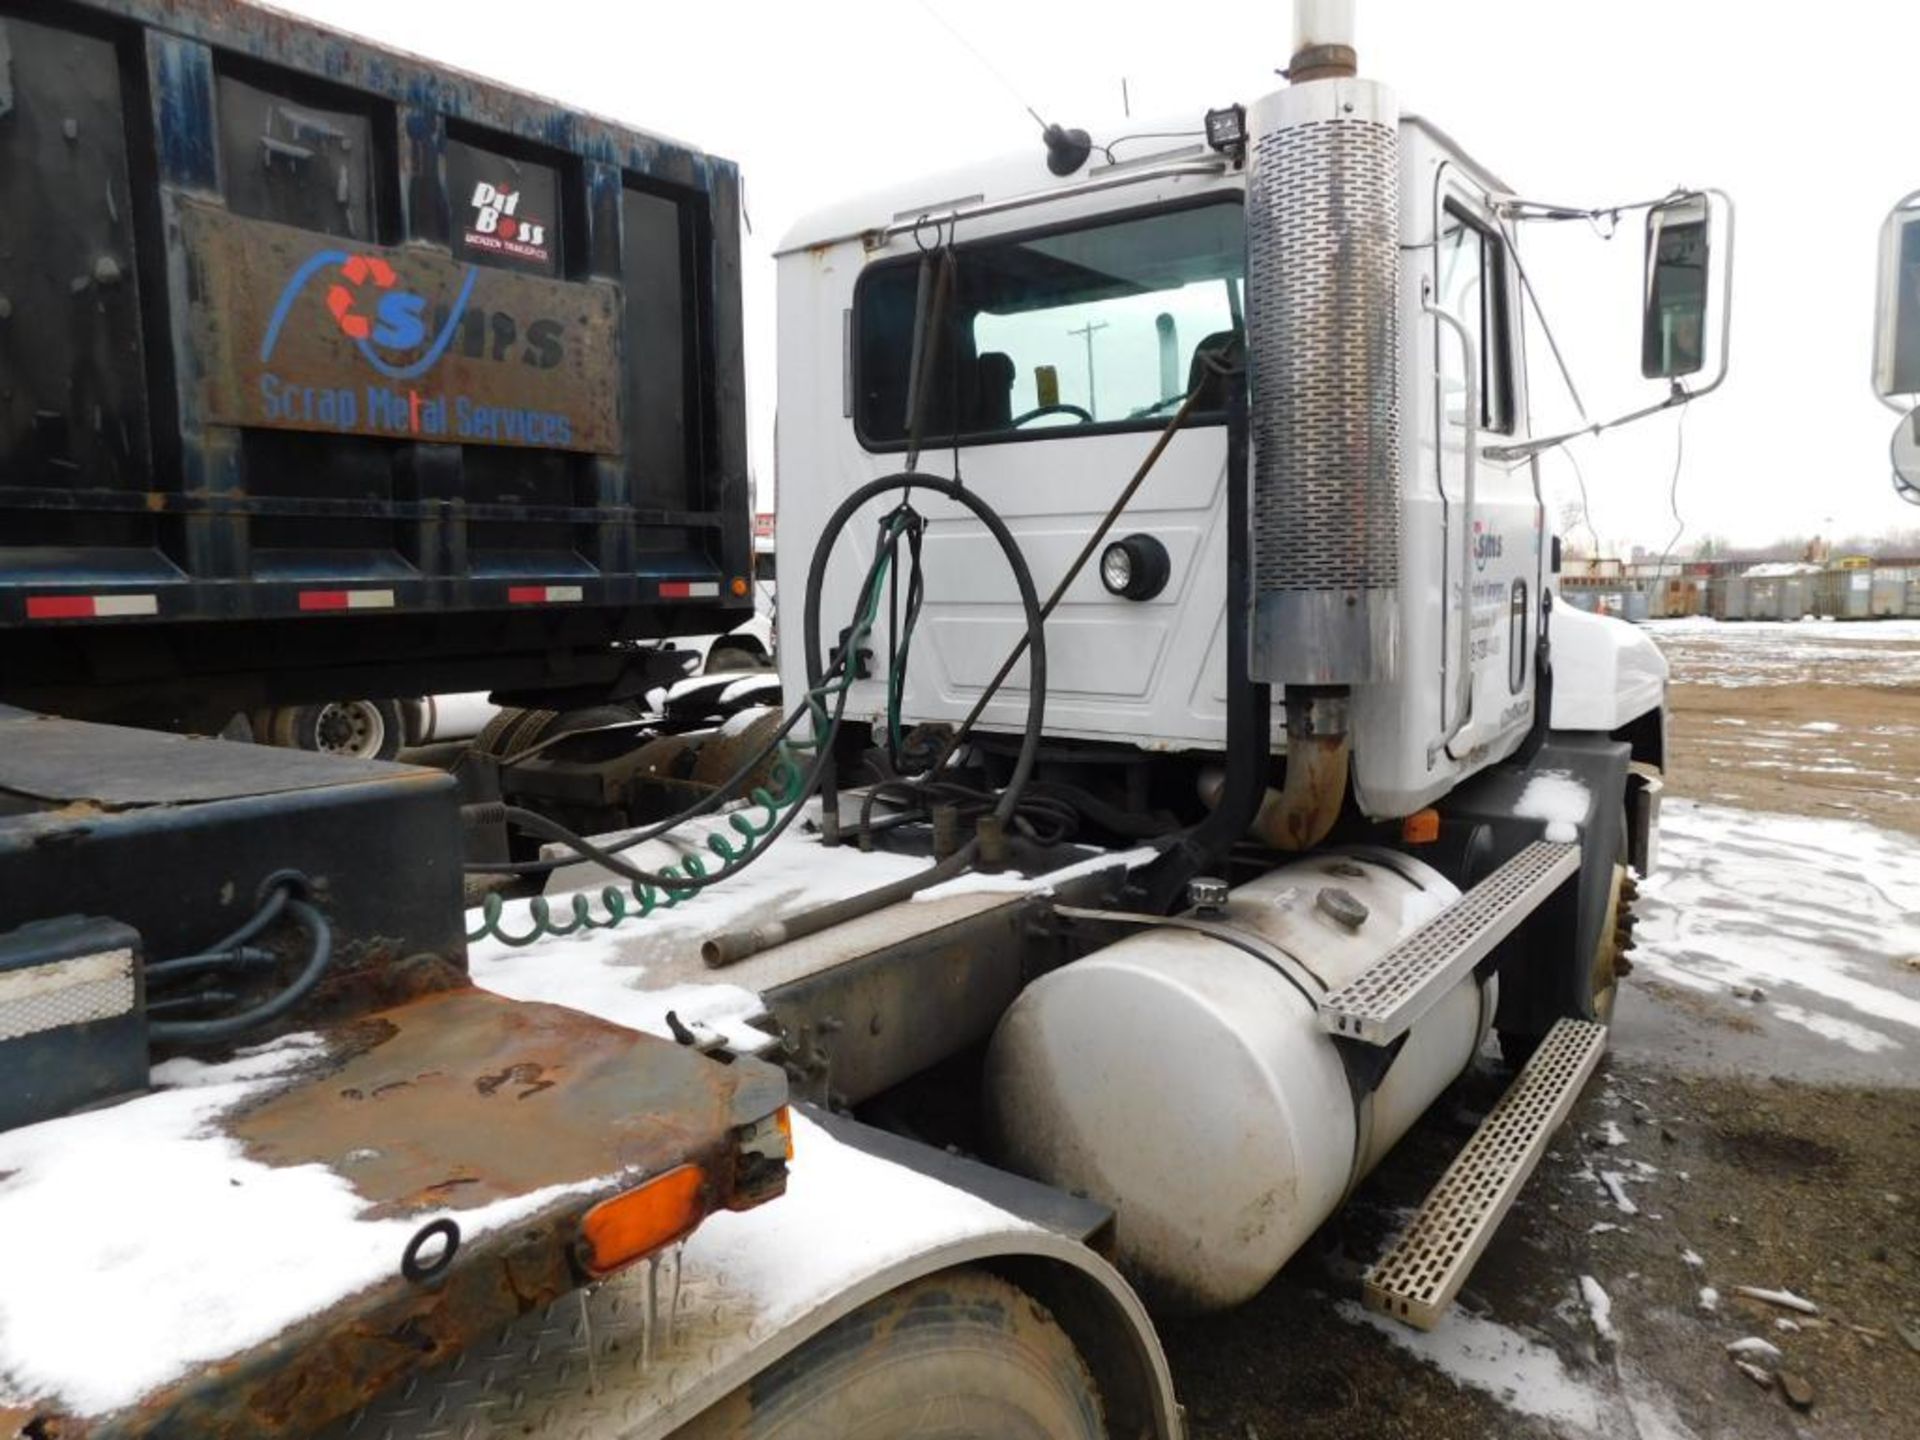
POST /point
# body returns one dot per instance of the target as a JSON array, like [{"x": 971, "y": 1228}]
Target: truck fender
[{"x": 676, "y": 1335}]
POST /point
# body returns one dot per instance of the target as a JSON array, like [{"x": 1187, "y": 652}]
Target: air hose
[
  {"x": 647, "y": 890},
  {"x": 736, "y": 945},
  {"x": 651, "y": 891}
]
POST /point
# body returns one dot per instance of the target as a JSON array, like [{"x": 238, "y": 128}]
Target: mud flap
[{"x": 1543, "y": 966}]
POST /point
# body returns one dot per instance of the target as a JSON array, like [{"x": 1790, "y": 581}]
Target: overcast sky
[{"x": 1804, "y": 115}]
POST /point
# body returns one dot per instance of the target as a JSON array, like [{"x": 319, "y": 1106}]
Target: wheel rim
[
  {"x": 352, "y": 728},
  {"x": 1610, "y": 950}
]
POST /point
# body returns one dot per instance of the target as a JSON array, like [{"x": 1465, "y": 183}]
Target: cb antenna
[{"x": 1067, "y": 150}]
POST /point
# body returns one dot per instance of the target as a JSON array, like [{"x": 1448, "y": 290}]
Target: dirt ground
[
  {"x": 1740, "y": 1133},
  {"x": 1816, "y": 718}
]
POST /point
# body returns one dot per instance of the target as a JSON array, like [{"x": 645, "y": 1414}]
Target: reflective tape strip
[
  {"x": 346, "y": 599},
  {"x": 543, "y": 594},
  {"x": 89, "y": 607},
  {"x": 65, "y": 992},
  {"x": 689, "y": 589}
]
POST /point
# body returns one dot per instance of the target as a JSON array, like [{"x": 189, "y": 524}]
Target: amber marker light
[
  {"x": 739, "y": 586},
  {"x": 1421, "y": 828},
  {"x": 636, "y": 1223}
]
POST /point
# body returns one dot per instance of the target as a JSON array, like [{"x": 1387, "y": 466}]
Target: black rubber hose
[
  {"x": 1158, "y": 886},
  {"x": 228, "y": 1027},
  {"x": 221, "y": 950},
  {"x": 735, "y": 945},
  {"x": 720, "y": 795},
  {"x": 1034, "y": 641}
]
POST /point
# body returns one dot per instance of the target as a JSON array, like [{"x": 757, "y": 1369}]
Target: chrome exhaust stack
[{"x": 1323, "y": 264}]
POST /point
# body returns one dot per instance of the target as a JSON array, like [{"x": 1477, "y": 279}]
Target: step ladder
[
  {"x": 1420, "y": 1274},
  {"x": 1382, "y": 1003}
]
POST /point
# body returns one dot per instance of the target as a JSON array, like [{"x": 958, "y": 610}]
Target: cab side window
[{"x": 1471, "y": 281}]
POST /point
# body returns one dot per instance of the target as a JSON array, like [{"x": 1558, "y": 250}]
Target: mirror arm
[{"x": 1679, "y": 395}]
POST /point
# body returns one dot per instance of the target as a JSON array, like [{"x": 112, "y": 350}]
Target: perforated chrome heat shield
[{"x": 1323, "y": 231}]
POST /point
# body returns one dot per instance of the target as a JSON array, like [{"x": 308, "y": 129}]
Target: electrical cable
[
  {"x": 1586, "y": 515},
  {"x": 1107, "y": 149},
  {"x": 732, "y": 861},
  {"x": 227, "y": 1027},
  {"x": 721, "y": 794},
  {"x": 1673, "y": 490}
]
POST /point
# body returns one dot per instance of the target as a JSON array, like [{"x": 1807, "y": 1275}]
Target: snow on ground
[
  {"x": 1781, "y": 652},
  {"x": 1528, "y": 1377},
  {"x": 201, "y": 1254},
  {"x": 1820, "y": 916},
  {"x": 1862, "y": 630}
]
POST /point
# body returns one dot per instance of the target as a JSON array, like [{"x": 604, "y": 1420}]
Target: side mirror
[
  {"x": 1896, "y": 330},
  {"x": 1673, "y": 320}
]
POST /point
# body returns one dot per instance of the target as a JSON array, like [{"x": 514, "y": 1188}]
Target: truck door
[{"x": 1490, "y": 540}]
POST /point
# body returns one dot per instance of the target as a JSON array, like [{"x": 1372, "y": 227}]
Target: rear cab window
[{"x": 1089, "y": 328}]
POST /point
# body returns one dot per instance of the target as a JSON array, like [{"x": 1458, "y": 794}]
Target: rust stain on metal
[
  {"x": 510, "y": 1096},
  {"x": 437, "y": 1106},
  {"x": 298, "y": 331}
]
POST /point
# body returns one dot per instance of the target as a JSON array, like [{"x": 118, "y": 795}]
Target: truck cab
[{"x": 1086, "y": 308}]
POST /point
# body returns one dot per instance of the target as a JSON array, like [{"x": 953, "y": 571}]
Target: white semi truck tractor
[{"x": 1185, "y": 773}]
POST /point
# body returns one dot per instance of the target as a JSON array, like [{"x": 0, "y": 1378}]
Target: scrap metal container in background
[
  {"x": 327, "y": 371},
  {"x": 1846, "y": 594},
  {"x": 1888, "y": 595},
  {"x": 1798, "y": 596},
  {"x": 1732, "y": 597}
]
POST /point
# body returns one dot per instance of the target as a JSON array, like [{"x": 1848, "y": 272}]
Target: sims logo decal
[
  {"x": 1486, "y": 545},
  {"x": 497, "y": 225}
]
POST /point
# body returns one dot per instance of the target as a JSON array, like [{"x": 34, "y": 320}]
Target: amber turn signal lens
[
  {"x": 633, "y": 1225},
  {"x": 1421, "y": 828},
  {"x": 783, "y": 1119},
  {"x": 739, "y": 586}
]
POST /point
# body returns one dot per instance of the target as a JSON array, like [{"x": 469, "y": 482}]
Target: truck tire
[
  {"x": 957, "y": 1356},
  {"x": 354, "y": 729}
]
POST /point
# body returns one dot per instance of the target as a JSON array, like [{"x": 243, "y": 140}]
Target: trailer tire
[
  {"x": 356, "y": 729},
  {"x": 955, "y": 1356}
]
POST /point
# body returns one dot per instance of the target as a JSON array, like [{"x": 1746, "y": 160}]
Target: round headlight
[{"x": 1135, "y": 568}]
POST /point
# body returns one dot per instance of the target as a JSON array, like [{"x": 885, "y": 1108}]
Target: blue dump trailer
[{"x": 326, "y": 371}]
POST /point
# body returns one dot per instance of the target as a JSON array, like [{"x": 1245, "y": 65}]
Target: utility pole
[{"x": 1088, "y": 330}]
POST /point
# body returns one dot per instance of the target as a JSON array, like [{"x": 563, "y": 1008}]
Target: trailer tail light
[
  {"x": 689, "y": 589},
  {"x": 633, "y": 1225},
  {"x": 764, "y": 1148}
]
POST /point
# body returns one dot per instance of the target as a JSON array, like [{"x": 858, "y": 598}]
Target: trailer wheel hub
[{"x": 352, "y": 728}]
